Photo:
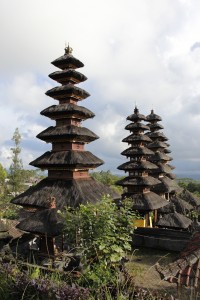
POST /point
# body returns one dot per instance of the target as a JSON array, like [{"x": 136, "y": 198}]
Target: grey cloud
[{"x": 195, "y": 46}]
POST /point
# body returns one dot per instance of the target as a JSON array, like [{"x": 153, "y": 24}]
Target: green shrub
[{"x": 102, "y": 234}]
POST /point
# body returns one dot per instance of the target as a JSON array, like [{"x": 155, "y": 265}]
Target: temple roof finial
[
  {"x": 68, "y": 49},
  {"x": 136, "y": 110}
]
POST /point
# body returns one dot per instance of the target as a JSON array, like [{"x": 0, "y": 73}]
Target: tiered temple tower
[
  {"x": 68, "y": 163},
  {"x": 138, "y": 182},
  {"x": 159, "y": 146}
]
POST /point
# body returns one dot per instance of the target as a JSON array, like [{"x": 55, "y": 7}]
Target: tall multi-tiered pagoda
[
  {"x": 138, "y": 182},
  {"x": 159, "y": 146},
  {"x": 68, "y": 163}
]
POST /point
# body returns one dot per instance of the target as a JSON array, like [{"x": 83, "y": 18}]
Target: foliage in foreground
[
  {"x": 101, "y": 234},
  {"x": 31, "y": 284},
  {"x": 21, "y": 284}
]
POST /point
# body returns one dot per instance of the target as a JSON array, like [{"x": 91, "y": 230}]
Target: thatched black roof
[
  {"x": 185, "y": 269},
  {"x": 157, "y": 135},
  {"x": 66, "y": 61},
  {"x": 162, "y": 168},
  {"x": 157, "y": 145},
  {"x": 65, "y": 76},
  {"x": 158, "y": 156},
  {"x": 138, "y": 181},
  {"x": 46, "y": 222},
  {"x": 67, "y": 110},
  {"x": 171, "y": 175},
  {"x": 67, "y": 133},
  {"x": 166, "y": 150},
  {"x": 147, "y": 201},
  {"x": 153, "y": 117},
  {"x": 137, "y": 151},
  {"x": 174, "y": 220},
  {"x": 137, "y": 165},
  {"x": 69, "y": 90},
  {"x": 189, "y": 197},
  {"x": 137, "y": 138},
  {"x": 67, "y": 160},
  {"x": 154, "y": 126},
  {"x": 171, "y": 166},
  {"x": 181, "y": 205},
  {"x": 67, "y": 193},
  {"x": 136, "y": 127},
  {"x": 167, "y": 209},
  {"x": 167, "y": 185},
  {"x": 136, "y": 116}
]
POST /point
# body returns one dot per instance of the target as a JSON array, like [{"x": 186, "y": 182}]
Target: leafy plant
[
  {"x": 16, "y": 283},
  {"x": 102, "y": 234}
]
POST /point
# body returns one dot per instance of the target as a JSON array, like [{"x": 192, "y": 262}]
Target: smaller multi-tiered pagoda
[
  {"x": 159, "y": 146},
  {"x": 138, "y": 183}
]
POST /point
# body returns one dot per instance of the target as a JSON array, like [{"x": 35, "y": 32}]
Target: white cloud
[{"x": 135, "y": 52}]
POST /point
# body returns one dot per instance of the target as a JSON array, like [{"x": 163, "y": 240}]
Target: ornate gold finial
[{"x": 68, "y": 49}]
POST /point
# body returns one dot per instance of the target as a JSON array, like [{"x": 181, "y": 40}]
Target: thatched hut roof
[
  {"x": 67, "y": 133},
  {"x": 152, "y": 117},
  {"x": 137, "y": 165},
  {"x": 189, "y": 197},
  {"x": 137, "y": 151},
  {"x": 157, "y": 145},
  {"x": 185, "y": 269},
  {"x": 166, "y": 185},
  {"x": 171, "y": 175},
  {"x": 155, "y": 126},
  {"x": 160, "y": 156},
  {"x": 67, "y": 160},
  {"x": 69, "y": 90},
  {"x": 136, "y": 116},
  {"x": 67, "y": 61},
  {"x": 136, "y": 127},
  {"x": 67, "y": 193},
  {"x": 138, "y": 181},
  {"x": 157, "y": 135},
  {"x": 167, "y": 208},
  {"x": 162, "y": 168},
  {"x": 171, "y": 166},
  {"x": 46, "y": 222},
  {"x": 67, "y": 110},
  {"x": 166, "y": 150},
  {"x": 66, "y": 76},
  {"x": 181, "y": 205},
  {"x": 137, "y": 138},
  {"x": 147, "y": 201},
  {"x": 174, "y": 220}
]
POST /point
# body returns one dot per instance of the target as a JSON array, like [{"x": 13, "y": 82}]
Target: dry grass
[{"x": 141, "y": 266}]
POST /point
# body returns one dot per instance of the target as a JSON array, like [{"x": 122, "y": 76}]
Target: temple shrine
[
  {"x": 138, "y": 183},
  {"x": 68, "y": 163}
]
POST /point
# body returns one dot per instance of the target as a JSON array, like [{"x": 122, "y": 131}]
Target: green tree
[
  {"x": 107, "y": 178},
  {"x": 16, "y": 167},
  {"x": 3, "y": 175}
]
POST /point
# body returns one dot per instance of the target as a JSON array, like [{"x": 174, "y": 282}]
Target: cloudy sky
[{"x": 143, "y": 52}]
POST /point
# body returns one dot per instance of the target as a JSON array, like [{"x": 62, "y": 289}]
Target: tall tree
[
  {"x": 3, "y": 175},
  {"x": 16, "y": 166}
]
